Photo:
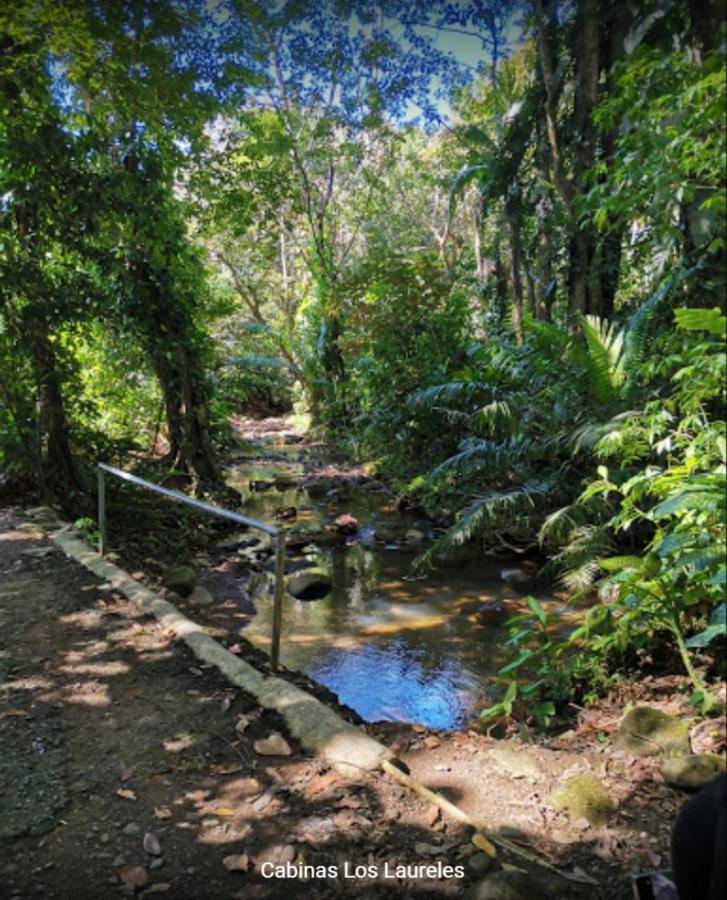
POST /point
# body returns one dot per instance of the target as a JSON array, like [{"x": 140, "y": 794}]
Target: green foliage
[
  {"x": 667, "y": 480},
  {"x": 529, "y": 412}
]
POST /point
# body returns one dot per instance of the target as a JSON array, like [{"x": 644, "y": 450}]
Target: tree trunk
[
  {"x": 59, "y": 474},
  {"x": 516, "y": 261}
]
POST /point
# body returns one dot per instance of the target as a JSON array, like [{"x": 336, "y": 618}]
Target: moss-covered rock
[
  {"x": 693, "y": 771},
  {"x": 645, "y": 731},
  {"x": 181, "y": 579},
  {"x": 584, "y": 797}
]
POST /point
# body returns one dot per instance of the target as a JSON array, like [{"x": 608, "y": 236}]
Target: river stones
[
  {"x": 181, "y": 579},
  {"x": 309, "y": 585},
  {"x": 645, "y": 731},
  {"x": 517, "y": 577},
  {"x": 200, "y": 596},
  {"x": 509, "y": 885},
  {"x": 584, "y": 797},
  {"x": 693, "y": 771}
]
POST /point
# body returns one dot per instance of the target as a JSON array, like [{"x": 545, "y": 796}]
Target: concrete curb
[{"x": 319, "y": 729}]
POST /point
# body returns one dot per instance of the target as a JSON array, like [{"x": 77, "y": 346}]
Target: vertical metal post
[
  {"x": 278, "y": 599},
  {"x": 101, "y": 513}
]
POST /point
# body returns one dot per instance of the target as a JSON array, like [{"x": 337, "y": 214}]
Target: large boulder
[
  {"x": 180, "y": 579},
  {"x": 584, "y": 797},
  {"x": 645, "y": 731},
  {"x": 310, "y": 585},
  {"x": 694, "y": 771}
]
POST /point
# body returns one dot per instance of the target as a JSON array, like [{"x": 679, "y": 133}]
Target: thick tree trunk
[
  {"x": 59, "y": 474},
  {"x": 583, "y": 282}
]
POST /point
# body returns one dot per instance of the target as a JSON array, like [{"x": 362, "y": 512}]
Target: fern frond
[
  {"x": 487, "y": 512},
  {"x": 460, "y": 392},
  {"x": 605, "y": 359}
]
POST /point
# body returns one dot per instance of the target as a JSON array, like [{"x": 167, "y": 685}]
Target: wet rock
[
  {"x": 509, "y": 885},
  {"x": 181, "y": 579},
  {"x": 583, "y": 796},
  {"x": 259, "y": 486},
  {"x": 309, "y": 585},
  {"x": 493, "y": 614},
  {"x": 517, "y": 576},
  {"x": 200, "y": 596},
  {"x": 645, "y": 731},
  {"x": 286, "y": 513},
  {"x": 284, "y": 481},
  {"x": 346, "y": 524},
  {"x": 693, "y": 771}
]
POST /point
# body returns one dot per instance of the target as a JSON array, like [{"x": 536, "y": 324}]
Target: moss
[
  {"x": 693, "y": 771},
  {"x": 650, "y": 732},
  {"x": 584, "y": 797}
]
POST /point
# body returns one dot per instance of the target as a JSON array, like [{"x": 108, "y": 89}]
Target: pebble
[
  {"x": 132, "y": 828},
  {"x": 104, "y": 838},
  {"x": 480, "y": 863},
  {"x": 120, "y": 860},
  {"x": 157, "y": 863}
]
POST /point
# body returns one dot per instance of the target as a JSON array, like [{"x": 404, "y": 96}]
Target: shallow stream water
[{"x": 391, "y": 645}]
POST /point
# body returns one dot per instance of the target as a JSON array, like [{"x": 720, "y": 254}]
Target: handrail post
[
  {"x": 101, "y": 513},
  {"x": 278, "y": 599}
]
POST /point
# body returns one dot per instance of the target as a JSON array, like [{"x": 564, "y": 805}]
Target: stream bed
[{"x": 392, "y": 645}]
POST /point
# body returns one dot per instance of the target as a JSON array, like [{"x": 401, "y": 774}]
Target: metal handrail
[{"x": 277, "y": 533}]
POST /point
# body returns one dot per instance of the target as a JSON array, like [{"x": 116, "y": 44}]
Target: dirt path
[{"x": 110, "y": 732}]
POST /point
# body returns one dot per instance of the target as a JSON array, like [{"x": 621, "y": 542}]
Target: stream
[{"x": 391, "y": 645}]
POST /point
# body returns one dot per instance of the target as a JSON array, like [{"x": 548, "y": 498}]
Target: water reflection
[{"x": 391, "y": 648}]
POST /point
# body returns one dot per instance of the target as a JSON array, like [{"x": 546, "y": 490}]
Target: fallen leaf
[
  {"x": 239, "y": 863},
  {"x": 126, "y": 794},
  {"x": 160, "y": 887},
  {"x": 151, "y": 844},
  {"x": 275, "y": 745},
  {"x": 133, "y": 875},
  {"x": 162, "y": 812},
  {"x": 224, "y": 811},
  {"x": 481, "y": 842},
  {"x": 241, "y": 724},
  {"x": 420, "y": 729},
  {"x": 433, "y": 814}
]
